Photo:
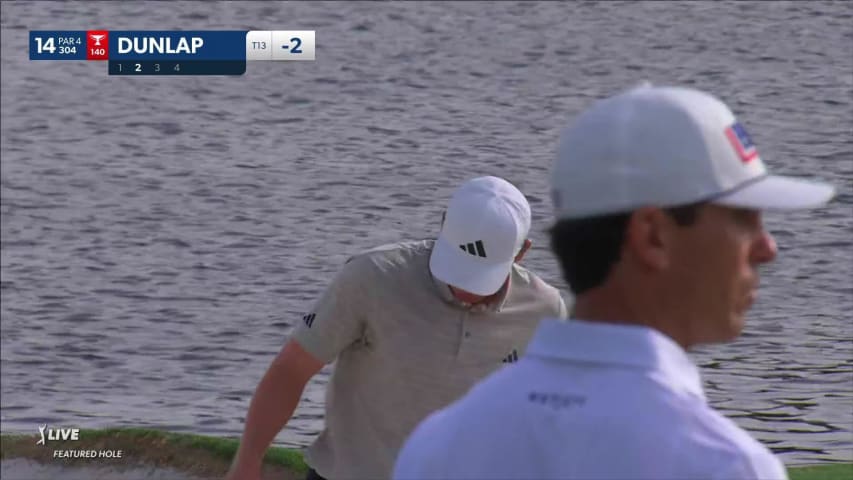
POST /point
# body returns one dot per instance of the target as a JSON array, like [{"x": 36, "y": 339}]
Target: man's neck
[{"x": 609, "y": 306}]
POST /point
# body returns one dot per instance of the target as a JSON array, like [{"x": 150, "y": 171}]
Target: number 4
[{"x": 177, "y": 67}]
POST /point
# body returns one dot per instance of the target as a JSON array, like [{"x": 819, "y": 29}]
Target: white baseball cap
[
  {"x": 485, "y": 226},
  {"x": 666, "y": 146}
]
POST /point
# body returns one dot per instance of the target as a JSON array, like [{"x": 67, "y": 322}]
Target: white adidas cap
[
  {"x": 484, "y": 228},
  {"x": 666, "y": 146}
]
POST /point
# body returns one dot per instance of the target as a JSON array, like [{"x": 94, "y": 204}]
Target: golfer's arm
[{"x": 275, "y": 399}]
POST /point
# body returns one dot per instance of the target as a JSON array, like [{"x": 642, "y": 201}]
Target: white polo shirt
[{"x": 587, "y": 401}]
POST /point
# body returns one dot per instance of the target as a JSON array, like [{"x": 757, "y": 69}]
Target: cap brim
[
  {"x": 775, "y": 192},
  {"x": 459, "y": 269}
]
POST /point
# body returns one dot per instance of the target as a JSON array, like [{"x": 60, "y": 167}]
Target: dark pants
[{"x": 313, "y": 475}]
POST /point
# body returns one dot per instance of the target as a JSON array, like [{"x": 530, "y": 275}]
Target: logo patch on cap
[
  {"x": 475, "y": 248},
  {"x": 741, "y": 142}
]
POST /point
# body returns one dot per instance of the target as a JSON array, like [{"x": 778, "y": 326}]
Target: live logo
[{"x": 63, "y": 434}]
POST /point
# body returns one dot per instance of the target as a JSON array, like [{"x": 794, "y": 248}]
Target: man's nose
[{"x": 765, "y": 249}]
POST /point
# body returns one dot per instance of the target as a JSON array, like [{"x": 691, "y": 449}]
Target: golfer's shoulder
[
  {"x": 706, "y": 433},
  {"x": 391, "y": 260},
  {"x": 527, "y": 278},
  {"x": 528, "y": 283}
]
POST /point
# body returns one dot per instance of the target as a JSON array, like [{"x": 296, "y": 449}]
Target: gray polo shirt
[{"x": 406, "y": 347}]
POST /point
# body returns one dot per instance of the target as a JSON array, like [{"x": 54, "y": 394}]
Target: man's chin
[
  {"x": 728, "y": 331},
  {"x": 736, "y": 325}
]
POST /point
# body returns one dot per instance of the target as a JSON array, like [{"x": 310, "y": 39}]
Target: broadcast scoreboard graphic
[{"x": 156, "y": 52}]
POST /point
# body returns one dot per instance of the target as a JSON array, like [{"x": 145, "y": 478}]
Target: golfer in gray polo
[{"x": 411, "y": 327}]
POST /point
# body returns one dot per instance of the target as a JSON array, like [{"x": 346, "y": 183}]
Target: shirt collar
[
  {"x": 495, "y": 305},
  {"x": 629, "y": 346}
]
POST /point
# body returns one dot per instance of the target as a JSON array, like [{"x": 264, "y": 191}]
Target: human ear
[
  {"x": 648, "y": 238},
  {"x": 524, "y": 249}
]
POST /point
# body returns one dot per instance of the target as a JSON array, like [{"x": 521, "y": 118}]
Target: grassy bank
[
  {"x": 838, "y": 471},
  {"x": 210, "y": 456}
]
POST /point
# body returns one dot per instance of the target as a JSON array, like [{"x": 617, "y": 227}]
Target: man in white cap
[
  {"x": 412, "y": 326},
  {"x": 658, "y": 196}
]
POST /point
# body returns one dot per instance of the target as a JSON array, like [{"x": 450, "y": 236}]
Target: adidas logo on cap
[{"x": 475, "y": 248}]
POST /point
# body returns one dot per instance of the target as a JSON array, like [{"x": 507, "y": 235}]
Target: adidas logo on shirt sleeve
[
  {"x": 512, "y": 357},
  {"x": 309, "y": 319}
]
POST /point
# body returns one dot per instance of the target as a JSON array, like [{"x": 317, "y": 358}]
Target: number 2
[
  {"x": 138, "y": 67},
  {"x": 298, "y": 42}
]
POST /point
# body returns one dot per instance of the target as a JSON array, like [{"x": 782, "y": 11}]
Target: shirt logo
[
  {"x": 741, "y": 142},
  {"x": 511, "y": 358},
  {"x": 556, "y": 400},
  {"x": 309, "y": 319},
  {"x": 475, "y": 248}
]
